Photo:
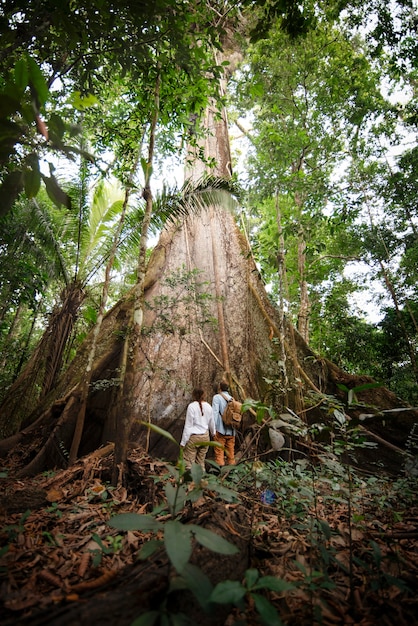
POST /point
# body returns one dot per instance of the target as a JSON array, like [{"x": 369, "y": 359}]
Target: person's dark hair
[
  {"x": 224, "y": 386},
  {"x": 198, "y": 396}
]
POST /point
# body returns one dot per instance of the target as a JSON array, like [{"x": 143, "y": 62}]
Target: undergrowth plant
[
  {"x": 292, "y": 490},
  {"x": 177, "y": 538}
]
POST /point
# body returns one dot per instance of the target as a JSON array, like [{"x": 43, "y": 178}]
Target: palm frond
[
  {"x": 98, "y": 231},
  {"x": 51, "y": 237},
  {"x": 173, "y": 204}
]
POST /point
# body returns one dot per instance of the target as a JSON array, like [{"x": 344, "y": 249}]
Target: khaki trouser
[
  {"x": 196, "y": 454},
  {"x": 228, "y": 442}
]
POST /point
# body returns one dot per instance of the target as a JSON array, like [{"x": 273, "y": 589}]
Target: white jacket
[{"x": 196, "y": 423}]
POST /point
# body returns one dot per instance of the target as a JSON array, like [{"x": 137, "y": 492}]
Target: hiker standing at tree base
[
  {"x": 197, "y": 426},
  {"x": 225, "y": 435}
]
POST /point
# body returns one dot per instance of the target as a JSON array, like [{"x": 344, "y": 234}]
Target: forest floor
[{"x": 347, "y": 557}]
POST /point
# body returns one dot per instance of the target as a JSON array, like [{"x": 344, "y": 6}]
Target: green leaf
[
  {"x": 56, "y": 128},
  {"x": 377, "y": 554},
  {"x": 198, "y": 583},
  {"x": 326, "y": 529},
  {"x": 197, "y": 473},
  {"x": 145, "y": 167},
  {"x": 366, "y": 386},
  {"x": 32, "y": 178},
  {"x": 212, "y": 541},
  {"x": 160, "y": 431},
  {"x": 21, "y": 74},
  {"x": 134, "y": 521},
  {"x": 4, "y": 550},
  {"x": 179, "y": 619},
  {"x": 149, "y": 548},
  {"x": 147, "y": 619},
  {"x": 178, "y": 544},
  {"x": 38, "y": 82},
  {"x": 342, "y": 387},
  {"x": 228, "y": 592},
  {"x": 54, "y": 191},
  {"x": 266, "y": 610},
  {"x": 257, "y": 90},
  {"x": 81, "y": 103},
  {"x": 226, "y": 494},
  {"x": 251, "y": 577}
]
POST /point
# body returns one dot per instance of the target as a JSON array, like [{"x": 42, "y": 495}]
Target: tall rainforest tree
[
  {"x": 143, "y": 82},
  {"x": 308, "y": 99}
]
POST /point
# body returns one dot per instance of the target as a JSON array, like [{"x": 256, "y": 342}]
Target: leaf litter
[{"x": 57, "y": 546}]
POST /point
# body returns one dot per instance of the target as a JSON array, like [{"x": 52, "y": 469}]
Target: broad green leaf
[
  {"x": 342, "y": 387},
  {"x": 147, "y": 619},
  {"x": 21, "y": 74},
  {"x": 56, "y": 128},
  {"x": 257, "y": 90},
  {"x": 377, "y": 553},
  {"x": 226, "y": 494},
  {"x": 251, "y": 577},
  {"x": 9, "y": 190},
  {"x": 212, "y": 541},
  {"x": 326, "y": 529},
  {"x": 134, "y": 521},
  {"x": 149, "y": 548},
  {"x": 197, "y": 473},
  {"x": 54, "y": 191},
  {"x": 160, "y": 431},
  {"x": 228, "y": 592},
  {"x": 178, "y": 544},
  {"x": 266, "y": 610},
  {"x": 38, "y": 82},
  {"x": 179, "y": 619},
  {"x": 366, "y": 386},
  {"x": 198, "y": 583},
  {"x": 32, "y": 179}
]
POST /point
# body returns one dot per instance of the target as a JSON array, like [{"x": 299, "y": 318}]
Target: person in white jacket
[{"x": 198, "y": 427}]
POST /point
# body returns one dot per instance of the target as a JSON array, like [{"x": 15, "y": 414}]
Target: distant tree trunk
[
  {"x": 41, "y": 372},
  {"x": 304, "y": 302}
]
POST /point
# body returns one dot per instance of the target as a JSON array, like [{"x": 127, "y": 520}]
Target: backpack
[{"x": 231, "y": 416}]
